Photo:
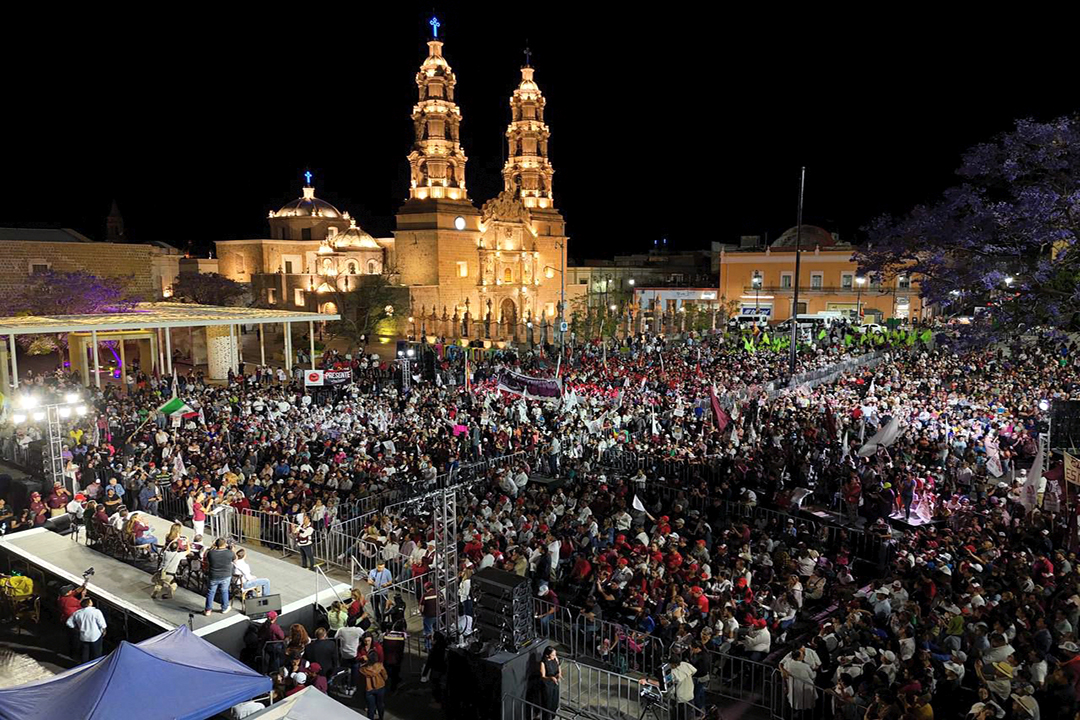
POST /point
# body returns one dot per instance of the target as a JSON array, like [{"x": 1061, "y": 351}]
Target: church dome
[
  {"x": 309, "y": 206},
  {"x": 355, "y": 238},
  {"x": 812, "y": 236}
]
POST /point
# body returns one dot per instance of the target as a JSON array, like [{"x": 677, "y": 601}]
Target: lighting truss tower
[
  {"x": 54, "y": 459},
  {"x": 446, "y": 560}
]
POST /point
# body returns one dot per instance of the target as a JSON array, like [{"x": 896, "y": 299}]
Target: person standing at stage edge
[
  {"x": 550, "y": 674},
  {"x": 379, "y": 579},
  {"x": 220, "y": 559},
  {"x": 304, "y": 534},
  {"x": 90, "y": 623}
]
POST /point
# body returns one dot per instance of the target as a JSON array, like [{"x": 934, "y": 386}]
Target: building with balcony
[{"x": 762, "y": 281}]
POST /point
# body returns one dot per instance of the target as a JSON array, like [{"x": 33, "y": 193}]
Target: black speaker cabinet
[
  {"x": 503, "y": 608},
  {"x": 477, "y": 682}
]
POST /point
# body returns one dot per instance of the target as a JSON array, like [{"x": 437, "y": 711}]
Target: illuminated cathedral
[{"x": 500, "y": 262}]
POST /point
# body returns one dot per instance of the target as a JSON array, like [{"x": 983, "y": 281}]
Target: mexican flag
[{"x": 176, "y": 406}]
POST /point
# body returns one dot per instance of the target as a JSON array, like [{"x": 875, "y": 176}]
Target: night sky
[{"x": 690, "y": 125}]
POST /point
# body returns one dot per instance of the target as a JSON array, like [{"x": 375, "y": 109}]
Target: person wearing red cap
[
  {"x": 38, "y": 510},
  {"x": 701, "y": 599}
]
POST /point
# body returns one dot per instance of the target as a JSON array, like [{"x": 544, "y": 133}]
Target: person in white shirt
[
  {"x": 119, "y": 519},
  {"x": 90, "y": 623},
  {"x": 682, "y": 673},
  {"x": 758, "y": 642},
  {"x": 243, "y": 570}
]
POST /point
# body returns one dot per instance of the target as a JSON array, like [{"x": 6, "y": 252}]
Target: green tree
[
  {"x": 369, "y": 301},
  {"x": 208, "y": 289}
]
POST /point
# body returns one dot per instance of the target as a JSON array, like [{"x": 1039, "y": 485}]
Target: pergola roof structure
[{"x": 154, "y": 315}]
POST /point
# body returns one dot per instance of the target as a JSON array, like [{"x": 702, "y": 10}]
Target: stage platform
[{"x": 129, "y": 587}]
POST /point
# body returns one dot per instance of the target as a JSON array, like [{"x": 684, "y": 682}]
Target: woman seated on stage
[{"x": 139, "y": 532}]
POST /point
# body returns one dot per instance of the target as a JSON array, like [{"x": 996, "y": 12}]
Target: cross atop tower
[
  {"x": 434, "y": 23},
  {"x": 307, "y": 176},
  {"x": 528, "y": 54}
]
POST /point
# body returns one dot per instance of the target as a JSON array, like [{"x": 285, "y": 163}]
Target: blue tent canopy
[{"x": 176, "y": 676}]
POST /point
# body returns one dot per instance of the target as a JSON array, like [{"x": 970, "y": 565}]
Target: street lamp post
[
  {"x": 562, "y": 294},
  {"x": 53, "y": 413},
  {"x": 859, "y": 280},
  {"x": 756, "y": 282}
]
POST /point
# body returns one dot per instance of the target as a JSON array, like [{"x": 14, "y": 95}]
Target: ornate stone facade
[
  {"x": 467, "y": 270},
  {"x": 499, "y": 266},
  {"x": 436, "y": 163}
]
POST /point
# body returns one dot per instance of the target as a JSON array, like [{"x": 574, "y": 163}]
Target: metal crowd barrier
[
  {"x": 617, "y": 646},
  {"x": 739, "y": 678},
  {"x": 600, "y": 693},
  {"x": 515, "y": 708},
  {"x": 558, "y": 627}
]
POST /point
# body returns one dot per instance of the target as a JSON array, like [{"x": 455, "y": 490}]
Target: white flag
[
  {"x": 638, "y": 504},
  {"x": 1029, "y": 493}
]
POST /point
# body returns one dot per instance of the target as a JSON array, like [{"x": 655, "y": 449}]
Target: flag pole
[{"x": 798, "y": 258}]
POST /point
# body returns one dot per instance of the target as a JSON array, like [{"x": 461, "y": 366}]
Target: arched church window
[
  {"x": 508, "y": 275},
  {"x": 353, "y": 267},
  {"x": 372, "y": 267},
  {"x": 327, "y": 265}
]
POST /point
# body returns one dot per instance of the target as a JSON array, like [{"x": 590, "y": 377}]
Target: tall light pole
[
  {"x": 561, "y": 244},
  {"x": 756, "y": 282},
  {"x": 795, "y": 297},
  {"x": 859, "y": 280},
  {"x": 562, "y": 294}
]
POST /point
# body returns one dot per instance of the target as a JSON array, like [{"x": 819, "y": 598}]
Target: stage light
[
  {"x": 71, "y": 398},
  {"x": 1044, "y": 404},
  {"x": 18, "y": 419},
  {"x": 81, "y": 410},
  {"x": 39, "y": 416},
  {"x": 64, "y": 412},
  {"x": 28, "y": 402}
]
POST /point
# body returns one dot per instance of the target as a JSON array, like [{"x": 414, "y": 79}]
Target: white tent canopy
[{"x": 308, "y": 704}]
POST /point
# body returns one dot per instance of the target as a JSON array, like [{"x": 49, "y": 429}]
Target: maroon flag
[{"x": 722, "y": 418}]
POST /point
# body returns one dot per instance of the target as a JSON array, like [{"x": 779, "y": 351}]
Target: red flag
[
  {"x": 830, "y": 422},
  {"x": 722, "y": 418}
]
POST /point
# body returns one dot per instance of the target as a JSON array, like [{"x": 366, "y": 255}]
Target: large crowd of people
[{"x": 878, "y": 538}]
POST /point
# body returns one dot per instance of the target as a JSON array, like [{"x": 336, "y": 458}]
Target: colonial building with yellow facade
[
  {"x": 501, "y": 262},
  {"x": 762, "y": 281}
]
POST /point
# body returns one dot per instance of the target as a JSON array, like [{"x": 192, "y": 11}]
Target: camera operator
[
  {"x": 682, "y": 673},
  {"x": 68, "y": 604},
  {"x": 90, "y": 624}
]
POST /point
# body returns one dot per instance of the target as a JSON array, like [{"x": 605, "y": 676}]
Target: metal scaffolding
[
  {"x": 54, "y": 458},
  {"x": 444, "y": 517}
]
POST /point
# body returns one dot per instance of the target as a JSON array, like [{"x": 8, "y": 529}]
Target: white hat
[{"x": 300, "y": 678}]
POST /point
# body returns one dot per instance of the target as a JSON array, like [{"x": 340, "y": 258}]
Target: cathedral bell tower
[
  {"x": 437, "y": 226},
  {"x": 527, "y": 173},
  {"x": 436, "y": 163}
]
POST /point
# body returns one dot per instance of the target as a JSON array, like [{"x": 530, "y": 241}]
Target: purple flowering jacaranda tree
[{"x": 1003, "y": 239}]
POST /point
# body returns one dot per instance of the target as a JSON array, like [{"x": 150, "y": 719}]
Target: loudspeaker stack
[{"x": 502, "y": 603}]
